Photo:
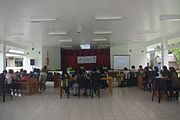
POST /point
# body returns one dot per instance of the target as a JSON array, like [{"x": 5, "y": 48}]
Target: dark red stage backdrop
[{"x": 69, "y": 58}]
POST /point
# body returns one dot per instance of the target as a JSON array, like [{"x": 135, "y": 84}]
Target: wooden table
[
  {"x": 109, "y": 79},
  {"x": 120, "y": 77},
  {"x": 31, "y": 86}
]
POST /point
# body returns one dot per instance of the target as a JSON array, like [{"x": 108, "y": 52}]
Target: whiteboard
[{"x": 121, "y": 61}]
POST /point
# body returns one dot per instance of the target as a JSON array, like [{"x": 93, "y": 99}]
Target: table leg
[
  {"x": 4, "y": 96},
  {"x": 110, "y": 86}
]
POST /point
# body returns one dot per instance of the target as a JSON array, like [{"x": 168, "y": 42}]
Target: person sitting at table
[
  {"x": 95, "y": 77},
  {"x": 65, "y": 80},
  {"x": 20, "y": 73},
  {"x": 9, "y": 81},
  {"x": 2, "y": 82},
  {"x": 173, "y": 76},
  {"x": 165, "y": 72},
  {"x": 122, "y": 81},
  {"x": 155, "y": 73},
  {"x": 17, "y": 89},
  {"x": 175, "y": 82},
  {"x": 103, "y": 83},
  {"x": 24, "y": 76},
  {"x": 81, "y": 82},
  {"x": 73, "y": 83},
  {"x": 167, "y": 84},
  {"x": 127, "y": 76}
]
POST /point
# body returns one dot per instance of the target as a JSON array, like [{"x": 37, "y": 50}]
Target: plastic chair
[
  {"x": 82, "y": 84},
  {"x": 95, "y": 84},
  {"x": 64, "y": 85}
]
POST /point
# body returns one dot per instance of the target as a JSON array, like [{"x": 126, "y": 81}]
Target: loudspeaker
[{"x": 32, "y": 61}]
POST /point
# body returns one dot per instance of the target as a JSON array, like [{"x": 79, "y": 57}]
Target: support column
[
  {"x": 164, "y": 45},
  {"x": 152, "y": 58},
  {"x": 164, "y": 54},
  {"x": 2, "y": 40},
  {"x": 4, "y": 54}
]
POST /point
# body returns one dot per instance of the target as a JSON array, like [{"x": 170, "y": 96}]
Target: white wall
[
  {"x": 137, "y": 57},
  {"x": 33, "y": 54},
  {"x": 54, "y": 55},
  {"x": 1, "y": 58},
  {"x": 118, "y": 50},
  {"x": 40, "y": 55},
  {"x": 137, "y": 54}
]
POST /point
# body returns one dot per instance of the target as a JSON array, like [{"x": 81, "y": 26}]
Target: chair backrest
[
  {"x": 95, "y": 77},
  {"x": 49, "y": 76},
  {"x": 81, "y": 80},
  {"x": 64, "y": 81}
]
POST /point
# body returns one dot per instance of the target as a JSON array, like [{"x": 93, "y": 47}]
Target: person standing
[
  {"x": 2, "y": 83},
  {"x": 42, "y": 79},
  {"x": 133, "y": 75},
  {"x": 141, "y": 76}
]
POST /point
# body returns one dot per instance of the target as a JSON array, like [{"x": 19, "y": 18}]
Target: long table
[{"x": 109, "y": 79}]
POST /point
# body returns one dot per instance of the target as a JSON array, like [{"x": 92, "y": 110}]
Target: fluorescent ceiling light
[
  {"x": 43, "y": 19},
  {"x": 57, "y": 33},
  {"x": 150, "y": 49},
  {"x": 103, "y": 45},
  {"x": 99, "y": 40},
  {"x": 85, "y": 46},
  {"x": 66, "y": 46},
  {"x": 107, "y": 18},
  {"x": 102, "y": 32},
  {"x": 70, "y": 40},
  {"x": 12, "y": 55},
  {"x": 16, "y": 35},
  {"x": 16, "y": 51},
  {"x": 133, "y": 40},
  {"x": 146, "y": 31},
  {"x": 169, "y": 17}
]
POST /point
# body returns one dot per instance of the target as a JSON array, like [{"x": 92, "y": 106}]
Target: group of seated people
[
  {"x": 144, "y": 78},
  {"x": 83, "y": 79},
  {"x": 11, "y": 82}
]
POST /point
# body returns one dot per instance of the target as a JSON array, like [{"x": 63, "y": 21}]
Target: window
[{"x": 18, "y": 62}]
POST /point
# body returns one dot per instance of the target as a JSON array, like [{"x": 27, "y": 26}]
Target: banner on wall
[{"x": 86, "y": 59}]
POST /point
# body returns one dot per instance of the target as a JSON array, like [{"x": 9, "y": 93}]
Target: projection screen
[{"x": 121, "y": 61}]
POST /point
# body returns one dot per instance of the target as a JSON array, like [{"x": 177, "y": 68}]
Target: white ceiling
[{"x": 140, "y": 21}]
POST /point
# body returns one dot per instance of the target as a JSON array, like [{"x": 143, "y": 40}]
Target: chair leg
[
  {"x": 4, "y": 96},
  {"x": 68, "y": 92},
  {"x": 92, "y": 90},
  {"x": 99, "y": 93},
  {"x": 79, "y": 92},
  {"x": 159, "y": 96},
  {"x": 11, "y": 94},
  {"x": 153, "y": 93},
  {"x": 86, "y": 92}
]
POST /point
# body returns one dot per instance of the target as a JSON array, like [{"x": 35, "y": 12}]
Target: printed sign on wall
[{"x": 86, "y": 59}]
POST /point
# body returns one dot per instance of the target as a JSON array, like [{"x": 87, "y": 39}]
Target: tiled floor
[{"x": 125, "y": 104}]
